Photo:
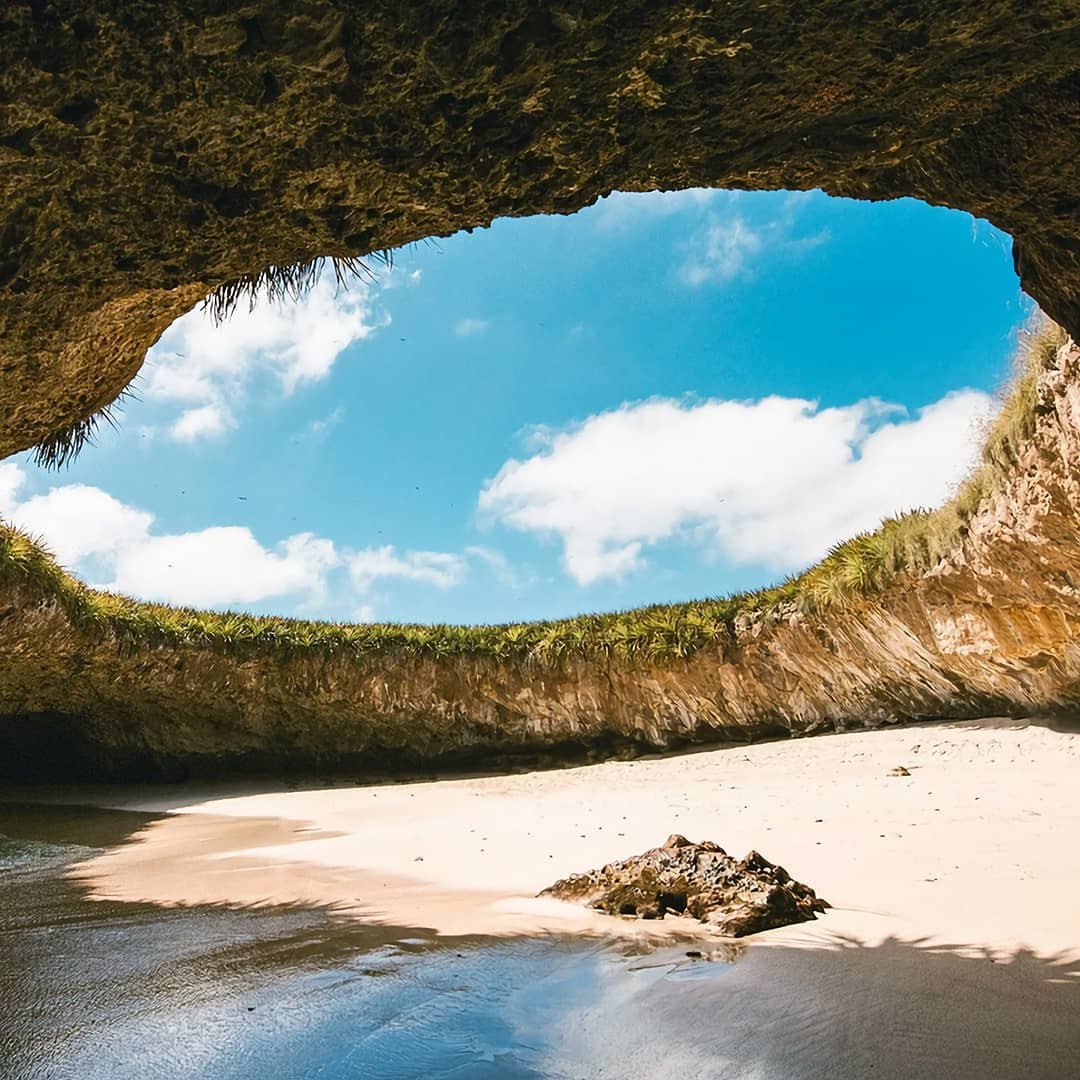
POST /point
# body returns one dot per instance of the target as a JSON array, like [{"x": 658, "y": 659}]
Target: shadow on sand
[
  {"x": 338, "y": 1004},
  {"x": 100, "y": 989}
]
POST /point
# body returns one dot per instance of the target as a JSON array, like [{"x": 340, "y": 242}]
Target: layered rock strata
[
  {"x": 991, "y": 629},
  {"x": 153, "y": 152}
]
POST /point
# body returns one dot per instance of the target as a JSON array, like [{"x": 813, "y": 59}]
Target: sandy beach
[
  {"x": 396, "y": 926},
  {"x": 973, "y": 849}
]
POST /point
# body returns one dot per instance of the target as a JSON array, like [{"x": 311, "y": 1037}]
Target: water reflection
[{"x": 104, "y": 989}]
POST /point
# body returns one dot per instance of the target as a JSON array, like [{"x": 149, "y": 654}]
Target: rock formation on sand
[{"x": 734, "y": 897}]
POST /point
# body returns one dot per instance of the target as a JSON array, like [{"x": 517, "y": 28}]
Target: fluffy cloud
[
  {"x": 75, "y": 520},
  {"x": 99, "y": 537},
  {"x": 223, "y": 567},
  {"x": 500, "y": 567},
  {"x": 326, "y": 423},
  {"x": 11, "y": 481},
  {"x": 201, "y": 422},
  {"x": 438, "y": 568},
  {"x": 726, "y": 248},
  {"x": 721, "y": 243},
  {"x": 396, "y": 278},
  {"x": 720, "y": 252},
  {"x": 206, "y": 368},
  {"x": 624, "y": 209},
  {"x": 773, "y": 482}
]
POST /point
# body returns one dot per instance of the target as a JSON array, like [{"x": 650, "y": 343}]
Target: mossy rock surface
[{"x": 153, "y": 151}]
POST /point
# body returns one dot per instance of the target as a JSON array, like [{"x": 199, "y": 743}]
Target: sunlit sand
[{"x": 973, "y": 848}]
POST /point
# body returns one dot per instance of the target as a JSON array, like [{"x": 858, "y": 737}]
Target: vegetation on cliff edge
[{"x": 853, "y": 570}]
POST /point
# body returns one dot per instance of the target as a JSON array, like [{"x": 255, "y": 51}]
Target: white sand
[{"x": 976, "y": 848}]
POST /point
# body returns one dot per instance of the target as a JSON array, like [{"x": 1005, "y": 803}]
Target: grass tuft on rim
[{"x": 851, "y": 572}]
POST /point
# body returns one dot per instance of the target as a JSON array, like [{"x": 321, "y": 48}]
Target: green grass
[
  {"x": 854, "y": 570},
  {"x": 916, "y": 541}
]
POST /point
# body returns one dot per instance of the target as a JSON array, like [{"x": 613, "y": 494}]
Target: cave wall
[
  {"x": 993, "y": 629},
  {"x": 151, "y": 150}
]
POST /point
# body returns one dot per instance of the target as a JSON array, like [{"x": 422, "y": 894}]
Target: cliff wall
[{"x": 990, "y": 628}]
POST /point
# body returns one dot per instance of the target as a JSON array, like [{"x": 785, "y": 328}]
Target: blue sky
[{"x": 661, "y": 397}]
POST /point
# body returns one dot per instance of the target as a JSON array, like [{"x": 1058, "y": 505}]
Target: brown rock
[
  {"x": 733, "y": 897},
  {"x": 271, "y": 132}
]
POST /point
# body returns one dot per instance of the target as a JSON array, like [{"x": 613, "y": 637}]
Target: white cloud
[
  {"x": 319, "y": 428},
  {"x": 116, "y": 545},
  {"x": 223, "y": 567},
  {"x": 720, "y": 252},
  {"x": 326, "y": 423},
  {"x": 772, "y": 482},
  {"x": 77, "y": 521},
  {"x": 12, "y": 479},
  {"x": 624, "y": 209},
  {"x": 209, "y": 367},
  {"x": 500, "y": 567},
  {"x": 399, "y": 278},
  {"x": 439, "y": 568},
  {"x": 722, "y": 244},
  {"x": 471, "y": 327},
  {"x": 201, "y": 422},
  {"x": 726, "y": 246},
  {"x": 88, "y": 530}
]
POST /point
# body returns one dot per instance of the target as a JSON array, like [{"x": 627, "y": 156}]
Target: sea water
[{"x": 100, "y": 990}]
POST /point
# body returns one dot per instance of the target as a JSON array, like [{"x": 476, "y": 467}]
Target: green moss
[{"x": 852, "y": 571}]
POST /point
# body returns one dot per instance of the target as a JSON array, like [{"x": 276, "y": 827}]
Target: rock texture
[
  {"x": 151, "y": 150},
  {"x": 734, "y": 897},
  {"x": 992, "y": 629}
]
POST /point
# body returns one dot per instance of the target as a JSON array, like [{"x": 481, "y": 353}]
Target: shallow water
[{"x": 98, "y": 989}]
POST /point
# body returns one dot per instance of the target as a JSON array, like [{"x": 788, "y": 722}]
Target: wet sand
[
  {"x": 241, "y": 934},
  {"x": 973, "y": 848}
]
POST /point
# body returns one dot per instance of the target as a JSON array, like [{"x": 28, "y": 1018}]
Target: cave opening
[{"x": 665, "y": 396}]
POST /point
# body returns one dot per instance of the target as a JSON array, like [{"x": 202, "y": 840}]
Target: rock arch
[{"x": 150, "y": 153}]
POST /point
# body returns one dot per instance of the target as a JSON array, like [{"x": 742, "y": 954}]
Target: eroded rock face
[
  {"x": 993, "y": 629},
  {"x": 734, "y": 897},
  {"x": 151, "y": 151}
]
